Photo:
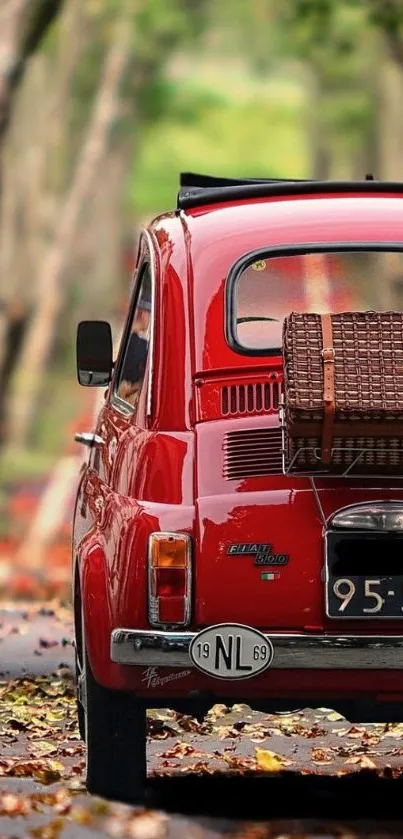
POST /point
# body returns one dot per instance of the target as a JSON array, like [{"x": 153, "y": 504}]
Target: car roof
[{"x": 218, "y": 229}]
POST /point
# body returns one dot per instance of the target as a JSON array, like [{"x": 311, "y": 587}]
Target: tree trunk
[
  {"x": 50, "y": 290},
  {"x": 318, "y": 141},
  {"x": 13, "y": 324},
  {"x": 12, "y": 14},
  {"x": 390, "y": 125},
  {"x": 23, "y": 23}
]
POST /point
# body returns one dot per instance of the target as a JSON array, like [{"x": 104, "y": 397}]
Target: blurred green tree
[
  {"x": 386, "y": 16},
  {"x": 373, "y": 29},
  {"x": 330, "y": 45}
]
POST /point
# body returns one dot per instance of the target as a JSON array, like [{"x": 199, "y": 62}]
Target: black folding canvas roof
[{"x": 199, "y": 190}]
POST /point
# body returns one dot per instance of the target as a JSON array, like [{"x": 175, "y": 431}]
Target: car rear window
[{"x": 263, "y": 290}]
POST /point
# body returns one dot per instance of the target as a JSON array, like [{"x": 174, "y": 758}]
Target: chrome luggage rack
[{"x": 334, "y": 470}]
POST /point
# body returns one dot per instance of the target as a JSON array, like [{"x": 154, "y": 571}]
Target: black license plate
[{"x": 364, "y": 576}]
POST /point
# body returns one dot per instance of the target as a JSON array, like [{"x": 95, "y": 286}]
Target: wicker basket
[{"x": 343, "y": 392}]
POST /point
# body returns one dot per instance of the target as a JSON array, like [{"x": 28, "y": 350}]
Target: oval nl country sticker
[{"x": 231, "y": 651}]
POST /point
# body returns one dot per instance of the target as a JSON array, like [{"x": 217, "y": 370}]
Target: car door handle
[{"x": 88, "y": 438}]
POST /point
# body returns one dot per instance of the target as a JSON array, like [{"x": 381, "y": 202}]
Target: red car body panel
[{"x": 164, "y": 471}]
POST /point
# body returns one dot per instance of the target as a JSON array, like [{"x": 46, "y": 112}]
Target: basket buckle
[{"x": 328, "y": 355}]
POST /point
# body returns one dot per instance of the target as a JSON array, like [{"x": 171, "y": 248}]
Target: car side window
[{"x": 134, "y": 361}]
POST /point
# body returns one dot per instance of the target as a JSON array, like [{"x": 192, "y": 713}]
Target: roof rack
[
  {"x": 200, "y": 190},
  {"x": 193, "y": 186}
]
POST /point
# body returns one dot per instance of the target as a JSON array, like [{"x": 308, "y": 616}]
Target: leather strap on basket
[{"x": 328, "y": 388}]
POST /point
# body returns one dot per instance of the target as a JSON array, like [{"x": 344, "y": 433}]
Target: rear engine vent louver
[
  {"x": 260, "y": 397},
  {"x": 252, "y": 453}
]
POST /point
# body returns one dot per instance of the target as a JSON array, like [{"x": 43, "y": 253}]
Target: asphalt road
[
  {"x": 34, "y": 640},
  {"x": 203, "y": 783}
]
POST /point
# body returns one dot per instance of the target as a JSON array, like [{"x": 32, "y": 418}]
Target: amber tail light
[{"x": 169, "y": 579}]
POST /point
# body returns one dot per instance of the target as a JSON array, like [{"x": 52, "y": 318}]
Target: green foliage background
[
  {"x": 241, "y": 126},
  {"x": 234, "y": 88}
]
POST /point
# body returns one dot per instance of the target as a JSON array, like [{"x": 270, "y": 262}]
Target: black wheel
[
  {"x": 80, "y": 707},
  {"x": 79, "y": 654},
  {"x": 116, "y": 742}
]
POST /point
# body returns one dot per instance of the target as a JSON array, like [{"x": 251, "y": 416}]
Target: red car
[{"x": 205, "y": 569}]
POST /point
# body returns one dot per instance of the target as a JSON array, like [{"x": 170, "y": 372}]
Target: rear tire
[
  {"x": 80, "y": 708},
  {"x": 116, "y": 742}
]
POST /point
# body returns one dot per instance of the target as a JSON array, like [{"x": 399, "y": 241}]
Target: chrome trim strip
[
  {"x": 117, "y": 401},
  {"x": 292, "y": 651},
  {"x": 151, "y": 250},
  {"x": 89, "y": 438}
]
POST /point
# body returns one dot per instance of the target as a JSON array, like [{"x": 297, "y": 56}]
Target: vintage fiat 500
[{"x": 208, "y": 567}]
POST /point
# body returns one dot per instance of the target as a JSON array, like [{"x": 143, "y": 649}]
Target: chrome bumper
[{"x": 151, "y": 648}]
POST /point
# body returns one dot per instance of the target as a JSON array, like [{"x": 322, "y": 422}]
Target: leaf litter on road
[
  {"x": 40, "y": 742},
  {"x": 38, "y": 726}
]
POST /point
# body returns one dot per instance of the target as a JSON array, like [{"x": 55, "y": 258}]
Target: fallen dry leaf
[
  {"x": 81, "y": 815},
  {"x": 394, "y": 730},
  {"x": 148, "y": 825},
  {"x": 349, "y": 749},
  {"x": 355, "y": 731},
  {"x": 322, "y": 755},
  {"x": 363, "y": 762},
  {"x": 367, "y": 763},
  {"x": 269, "y": 761},
  {"x": 179, "y": 750},
  {"x": 42, "y": 748},
  {"x": 188, "y": 723},
  {"x": 238, "y": 764},
  {"x": 370, "y": 739},
  {"x": 224, "y": 731},
  {"x": 201, "y": 767},
  {"x": 159, "y": 730},
  {"x": 218, "y": 710},
  {"x": 14, "y": 805},
  {"x": 45, "y": 771},
  {"x": 51, "y": 830}
]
